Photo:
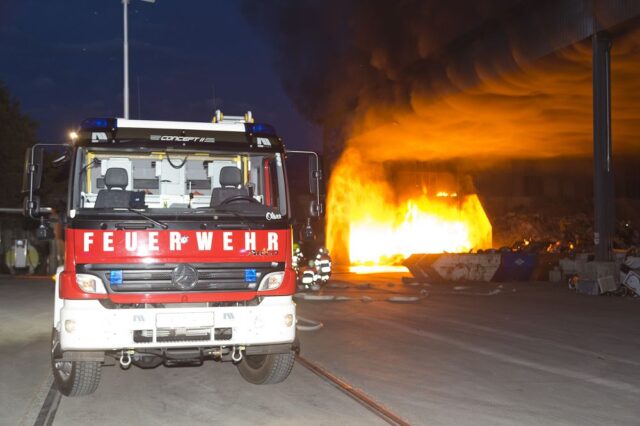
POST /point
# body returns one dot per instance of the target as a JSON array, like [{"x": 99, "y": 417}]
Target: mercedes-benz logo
[{"x": 184, "y": 277}]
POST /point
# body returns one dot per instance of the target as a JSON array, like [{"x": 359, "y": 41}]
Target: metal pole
[
  {"x": 11, "y": 210},
  {"x": 603, "y": 183},
  {"x": 126, "y": 60},
  {"x": 138, "y": 80}
]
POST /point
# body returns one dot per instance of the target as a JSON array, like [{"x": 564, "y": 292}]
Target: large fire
[
  {"x": 539, "y": 110},
  {"x": 369, "y": 223}
]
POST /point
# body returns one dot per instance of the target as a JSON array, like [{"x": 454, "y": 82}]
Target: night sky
[{"x": 63, "y": 62}]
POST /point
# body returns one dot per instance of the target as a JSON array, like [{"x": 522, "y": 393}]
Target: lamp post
[{"x": 125, "y": 49}]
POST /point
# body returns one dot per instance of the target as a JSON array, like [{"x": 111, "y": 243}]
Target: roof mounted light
[
  {"x": 98, "y": 123},
  {"x": 261, "y": 129}
]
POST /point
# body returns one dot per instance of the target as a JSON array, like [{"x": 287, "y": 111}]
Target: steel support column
[{"x": 603, "y": 184}]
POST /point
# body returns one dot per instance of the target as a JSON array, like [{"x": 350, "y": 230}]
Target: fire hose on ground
[{"x": 311, "y": 325}]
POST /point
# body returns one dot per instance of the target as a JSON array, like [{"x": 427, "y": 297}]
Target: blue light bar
[
  {"x": 115, "y": 277},
  {"x": 98, "y": 123},
  {"x": 261, "y": 128},
  {"x": 250, "y": 275}
]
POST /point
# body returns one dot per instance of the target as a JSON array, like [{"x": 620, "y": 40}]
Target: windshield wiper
[
  {"x": 245, "y": 221},
  {"x": 235, "y": 214},
  {"x": 149, "y": 218}
]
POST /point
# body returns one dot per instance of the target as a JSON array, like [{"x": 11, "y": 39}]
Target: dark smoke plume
[
  {"x": 508, "y": 76},
  {"x": 337, "y": 57},
  {"x": 444, "y": 81}
]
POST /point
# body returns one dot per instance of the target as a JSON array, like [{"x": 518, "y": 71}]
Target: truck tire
[
  {"x": 74, "y": 378},
  {"x": 266, "y": 369}
]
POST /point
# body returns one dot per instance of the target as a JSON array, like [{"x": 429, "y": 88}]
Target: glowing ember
[
  {"x": 366, "y": 222},
  {"x": 378, "y": 269}
]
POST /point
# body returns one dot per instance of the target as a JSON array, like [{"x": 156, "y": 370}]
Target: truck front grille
[{"x": 132, "y": 278}]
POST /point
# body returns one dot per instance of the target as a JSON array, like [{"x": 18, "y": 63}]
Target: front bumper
[{"x": 87, "y": 325}]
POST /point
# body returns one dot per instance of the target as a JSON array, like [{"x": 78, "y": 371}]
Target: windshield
[{"x": 180, "y": 182}]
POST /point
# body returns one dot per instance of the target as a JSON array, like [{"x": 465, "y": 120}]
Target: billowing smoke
[
  {"x": 452, "y": 79},
  {"x": 338, "y": 58},
  {"x": 470, "y": 82}
]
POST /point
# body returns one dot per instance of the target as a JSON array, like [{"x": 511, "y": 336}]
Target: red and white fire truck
[{"x": 178, "y": 248}]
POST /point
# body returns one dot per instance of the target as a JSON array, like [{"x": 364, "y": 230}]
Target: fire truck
[{"x": 178, "y": 247}]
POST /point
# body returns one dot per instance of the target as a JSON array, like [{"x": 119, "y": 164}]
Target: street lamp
[{"x": 125, "y": 3}]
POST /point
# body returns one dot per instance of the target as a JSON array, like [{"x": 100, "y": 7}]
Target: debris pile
[
  {"x": 583, "y": 274},
  {"x": 535, "y": 232},
  {"x": 553, "y": 234},
  {"x": 630, "y": 275}
]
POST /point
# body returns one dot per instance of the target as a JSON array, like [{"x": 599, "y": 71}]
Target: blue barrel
[{"x": 516, "y": 267}]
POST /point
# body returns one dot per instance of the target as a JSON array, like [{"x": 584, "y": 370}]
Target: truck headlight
[
  {"x": 90, "y": 284},
  {"x": 271, "y": 281}
]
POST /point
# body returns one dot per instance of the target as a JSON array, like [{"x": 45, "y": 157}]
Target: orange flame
[
  {"x": 367, "y": 226},
  {"x": 544, "y": 110}
]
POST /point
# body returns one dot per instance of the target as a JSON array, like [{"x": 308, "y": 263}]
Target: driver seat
[
  {"x": 116, "y": 180},
  {"x": 230, "y": 186}
]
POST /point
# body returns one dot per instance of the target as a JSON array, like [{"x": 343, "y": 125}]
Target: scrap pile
[
  {"x": 586, "y": 276},
  {"x": 563, "y": 233}
]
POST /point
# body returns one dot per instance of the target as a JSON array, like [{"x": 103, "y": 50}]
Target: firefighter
[
  {"x": 297, "y": 258},
  {"x": 323, "y": 265},
  {"x": 308, "y": 279}
]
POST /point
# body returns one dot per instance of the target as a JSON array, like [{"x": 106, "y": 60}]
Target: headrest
[
  {"x": 230, "y": 176},
  {"x": 116, "y": 177}
]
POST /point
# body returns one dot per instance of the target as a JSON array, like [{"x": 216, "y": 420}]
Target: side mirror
[
  {"x": 32, "y": 174},
  {"x": 316, "y": 208},
  {"x": 315, "y": 175}
]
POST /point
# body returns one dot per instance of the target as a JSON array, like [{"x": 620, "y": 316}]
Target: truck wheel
[
  {"x": 74, "y": 378},
  {"x": 266, "y": 369}
]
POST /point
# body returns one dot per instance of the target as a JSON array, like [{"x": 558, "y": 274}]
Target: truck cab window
[{"x": 179, "y": 182}]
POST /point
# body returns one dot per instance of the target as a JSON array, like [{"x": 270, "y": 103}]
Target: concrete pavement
[
  {"x": 526, "y": 353},
  {"x": 25, "y": 331}
]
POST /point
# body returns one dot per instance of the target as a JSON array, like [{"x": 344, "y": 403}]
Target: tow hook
[
  {"x": 236, "y": 354},
  {"x": 125, "y": 358}
]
